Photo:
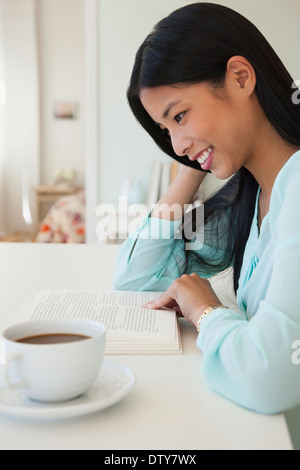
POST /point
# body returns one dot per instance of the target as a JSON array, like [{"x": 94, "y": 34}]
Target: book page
[
  {"x": 87, "y": 297},
  {"x": 120, "y": 311}
]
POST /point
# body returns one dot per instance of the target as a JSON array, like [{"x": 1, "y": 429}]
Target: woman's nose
[{"x": 180, "y": 144}]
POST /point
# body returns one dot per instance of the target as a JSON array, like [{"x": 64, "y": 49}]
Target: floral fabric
[{"x": 65, "y": 221}]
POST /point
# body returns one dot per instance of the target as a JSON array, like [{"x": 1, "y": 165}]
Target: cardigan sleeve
[
  {"x": 255, "y": 362},
  {"x": 155, "y": 254},
  {"x": 151, "y": 257}
]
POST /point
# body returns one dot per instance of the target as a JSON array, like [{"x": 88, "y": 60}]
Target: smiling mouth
[{"x": 203, "y": 156}]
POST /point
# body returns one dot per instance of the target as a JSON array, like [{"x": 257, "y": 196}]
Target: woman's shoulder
[
  {"x": 288, "y": 175},
  {"x": 286, "y": 189}
]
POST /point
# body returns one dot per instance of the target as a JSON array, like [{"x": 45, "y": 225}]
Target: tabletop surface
[{"x": 170, "y": 406}]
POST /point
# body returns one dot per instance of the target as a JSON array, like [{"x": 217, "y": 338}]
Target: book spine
[
  {"x": 154, "y": 186},
  {"x": 165, "y": 178}
]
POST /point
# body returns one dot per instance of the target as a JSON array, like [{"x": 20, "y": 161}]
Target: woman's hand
[{"x": 189, "y": 295}]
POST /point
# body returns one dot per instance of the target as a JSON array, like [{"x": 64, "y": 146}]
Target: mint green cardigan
[{"x": 251, "y": 355}]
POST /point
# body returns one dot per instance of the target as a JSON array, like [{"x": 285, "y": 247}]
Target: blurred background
[{"x": 65, "y": 126}]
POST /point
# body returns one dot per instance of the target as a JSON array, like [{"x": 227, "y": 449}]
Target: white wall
[
  {"x": 124, "y": 148},
  {"x": 61, "y": 45},
  {"x": 2, "y": 125},
  {"x": 22, "y": 107},
  {"x": 43, "y": 55}
]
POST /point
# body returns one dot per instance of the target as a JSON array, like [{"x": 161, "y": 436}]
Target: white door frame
[{"x": 92, "y": 96}]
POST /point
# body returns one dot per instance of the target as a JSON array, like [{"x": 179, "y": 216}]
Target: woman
[{"x": 212, "y": 93}]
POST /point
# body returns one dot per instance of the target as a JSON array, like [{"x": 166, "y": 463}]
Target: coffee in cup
[{"x": 53, "y": 360}]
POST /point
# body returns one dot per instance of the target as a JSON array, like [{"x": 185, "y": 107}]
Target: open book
[{"x": 131, "y": 329}]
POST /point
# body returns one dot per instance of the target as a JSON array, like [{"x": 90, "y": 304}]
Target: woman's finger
[{"x": 165, "y": 300}]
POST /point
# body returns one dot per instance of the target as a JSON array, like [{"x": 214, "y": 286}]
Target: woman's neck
[{"x": 268, "y": 158}]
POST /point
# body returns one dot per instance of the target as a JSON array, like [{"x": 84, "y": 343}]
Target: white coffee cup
[{"x": 53, "y": 372}]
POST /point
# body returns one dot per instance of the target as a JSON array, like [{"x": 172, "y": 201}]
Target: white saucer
[{"x": 113, "y": 383}]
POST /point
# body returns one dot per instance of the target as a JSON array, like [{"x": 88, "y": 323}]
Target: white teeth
[{"x": 204, "y": 156}]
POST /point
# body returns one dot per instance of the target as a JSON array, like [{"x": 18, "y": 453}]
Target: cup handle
[{"x": 13, "y": 385}]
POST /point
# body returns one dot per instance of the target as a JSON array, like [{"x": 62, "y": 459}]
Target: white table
[{"x": 170, "y": 406}]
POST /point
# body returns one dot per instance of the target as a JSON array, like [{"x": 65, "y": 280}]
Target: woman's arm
[
  {"x": 153, "y": 256},
  {"x": 254, "y": 363},
  {"x": 180, "y": 194}
]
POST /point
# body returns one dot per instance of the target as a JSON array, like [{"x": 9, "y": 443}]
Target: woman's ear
[{"x": 241, "y": 72}]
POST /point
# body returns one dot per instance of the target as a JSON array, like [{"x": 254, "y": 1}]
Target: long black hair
[{"x": 192, "y": 45}]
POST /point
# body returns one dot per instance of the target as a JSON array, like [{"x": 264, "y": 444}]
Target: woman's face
[{"x": 216, "y": 128}]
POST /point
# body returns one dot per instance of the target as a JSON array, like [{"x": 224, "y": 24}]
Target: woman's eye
[{"x": 179, "y": 117}]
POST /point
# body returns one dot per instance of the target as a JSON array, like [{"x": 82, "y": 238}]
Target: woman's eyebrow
[{"x": 169, "y": 107}]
